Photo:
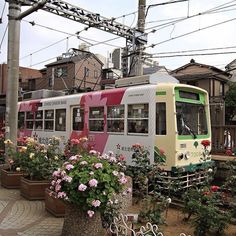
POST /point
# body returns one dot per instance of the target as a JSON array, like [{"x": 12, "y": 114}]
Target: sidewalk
[{"x": 20, "y": 217}]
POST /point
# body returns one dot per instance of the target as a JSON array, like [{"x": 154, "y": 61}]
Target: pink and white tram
[{"x": 169, "y": 119}]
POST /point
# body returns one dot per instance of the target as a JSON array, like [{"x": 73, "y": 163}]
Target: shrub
[
  {"x": 89, "y": 180},
  {"x": 39, "y": 160}
]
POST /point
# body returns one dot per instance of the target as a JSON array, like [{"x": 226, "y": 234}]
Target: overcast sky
[{"x": 196, "y": 25}]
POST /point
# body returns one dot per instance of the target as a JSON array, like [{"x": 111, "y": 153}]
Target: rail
[{"x": 223, "y": 138}]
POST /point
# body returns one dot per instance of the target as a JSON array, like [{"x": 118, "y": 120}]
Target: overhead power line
[
  {"x": 191, "y": 32},
  {"x": 86, "y": 40},
  {"x": 194, "y": 50},
  {"x": 194, "y": 54},
  {"x": 4, "y": 34},
  {"x": 2, "y": 12},
  {"x": 180, "y": 19}
]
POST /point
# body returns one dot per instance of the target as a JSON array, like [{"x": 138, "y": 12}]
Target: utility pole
[
  {"x": 141, "y": 28},
  {"x": 13, "y": 71},
  {"x": 14, "y": 18}
]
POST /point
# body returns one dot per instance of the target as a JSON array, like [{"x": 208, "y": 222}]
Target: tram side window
[
  {"x": 21, "y": 120},
  {"x": 138, "y": 118},
  {"x": 60, "y": 120},
  {"x": 96, "y": 119},
  {"x": 49, "y": 120},
  {"x": 78, "y": 119},
  {"x": 29, "y": 120},
  {"x": 115, "y": 119},
  {"x": 161, "y": 118},
  {"x": 39, "y": 120}
]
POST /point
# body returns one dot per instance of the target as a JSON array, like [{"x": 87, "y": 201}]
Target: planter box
[
  {"x": 33, "y": 190},
  {"x": 54, "y": 205},
  {"x": 10, "y": 179}
]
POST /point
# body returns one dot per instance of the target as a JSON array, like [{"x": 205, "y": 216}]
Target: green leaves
[{"x": 38, "y": 160}]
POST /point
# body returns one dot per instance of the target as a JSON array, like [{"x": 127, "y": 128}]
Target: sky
[{"x": 175, "y": 30}]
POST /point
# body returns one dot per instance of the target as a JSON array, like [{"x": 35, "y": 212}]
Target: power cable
[
  {"x": 209, "y": 11},
  {"x": 195, "y": 50},
  {"x": 75, "y": 35},
  {"x": 190, "y": 32},
  {"x": 59, "y": 41},
  {"x": 2, "y": 12},
  {"x": 197, "y": 54},
  {"x": 4, "y": 34}
]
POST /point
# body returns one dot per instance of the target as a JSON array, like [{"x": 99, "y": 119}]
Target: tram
[{"x": 169, "y": 119}]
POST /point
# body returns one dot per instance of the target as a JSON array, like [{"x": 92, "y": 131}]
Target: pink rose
[
  {"x": 96, "y": 203},
  {"x": 82, "y": 187},
  {"x": 90, "y": 213},
  {"x": 98, "y": 165},
  {"x": 93, "y": 183},
  {"x": 123, "y": 180},
  {"x": 69, "y": 166}
]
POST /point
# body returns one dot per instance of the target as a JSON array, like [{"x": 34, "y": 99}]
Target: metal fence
[
  {"x": 223, "y": 138},
  {"x": 121, "y": 226}
]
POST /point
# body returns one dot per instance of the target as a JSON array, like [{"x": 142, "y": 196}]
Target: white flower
[
  {"x": 168, "y": 200},
  {"x": 210, "y": 170}
]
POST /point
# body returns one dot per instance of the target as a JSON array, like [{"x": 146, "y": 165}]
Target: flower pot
[
  {"x": 11, "y": 179},
  {"x": 32, "y": 189},
  {"x": 77, "y": 223},
  {"x": 54, "y": 205}
]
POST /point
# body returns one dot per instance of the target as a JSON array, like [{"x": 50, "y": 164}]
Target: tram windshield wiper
[
  {"x": 191, "y": 132},
  {"x": 184, "y": 126}
]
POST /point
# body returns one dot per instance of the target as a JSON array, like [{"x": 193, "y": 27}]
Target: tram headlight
[
  {"x": 181, "y": 156},
  {"x": 187, "y": 155}
]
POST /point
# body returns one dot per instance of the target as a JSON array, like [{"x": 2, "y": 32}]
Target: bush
[
  {"x": 39, "y": 160},
  {"x": 89, "y": 180},
  {"x": 203, "y": 205}
]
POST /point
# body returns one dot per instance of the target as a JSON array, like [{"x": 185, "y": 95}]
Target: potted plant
[
  {"x": 11, "y": 173},
  {"x": 87, "y": 182},
  {"x": 38, "y": 161},
  {"x": 2, "y": 148}
]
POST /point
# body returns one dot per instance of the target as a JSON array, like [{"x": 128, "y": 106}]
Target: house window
[
  {"x": 60, "y": 120},
  {"x": 221, "y": 92},
  {"x": 49, "y": 120},
  {"x": 86, "y": 72},
  {"x": 32, "y": 84},
  {"x": 115, "y": 119},
  {"x": 60, "y": 72},
  {"x": 96, "y": 119},
  {"x": 95, "y": 74},
  {"x": 138, "y": 118},
  {"x": 50, "y": 82},
  {"x": 78, "y": 119}
]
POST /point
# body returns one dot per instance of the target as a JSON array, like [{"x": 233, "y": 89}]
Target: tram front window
[{"x": 191, "y": 119}]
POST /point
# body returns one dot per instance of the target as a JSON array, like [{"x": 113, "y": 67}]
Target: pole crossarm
[{"x": 83, "y": 16}]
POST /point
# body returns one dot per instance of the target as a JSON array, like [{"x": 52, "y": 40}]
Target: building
[
  {"x": 123, "y": 62},
  {"x": 211, "y": 79},
  {"x": 231, "y": 68},
  {"x": 77, "y": 70},
  {"x": 28, "y": 79}
]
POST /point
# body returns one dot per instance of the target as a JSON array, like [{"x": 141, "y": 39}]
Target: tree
[{"x": 230, "y": 103}]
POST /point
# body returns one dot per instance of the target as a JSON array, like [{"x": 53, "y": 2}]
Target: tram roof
[{"x": 155, "y": 78}]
